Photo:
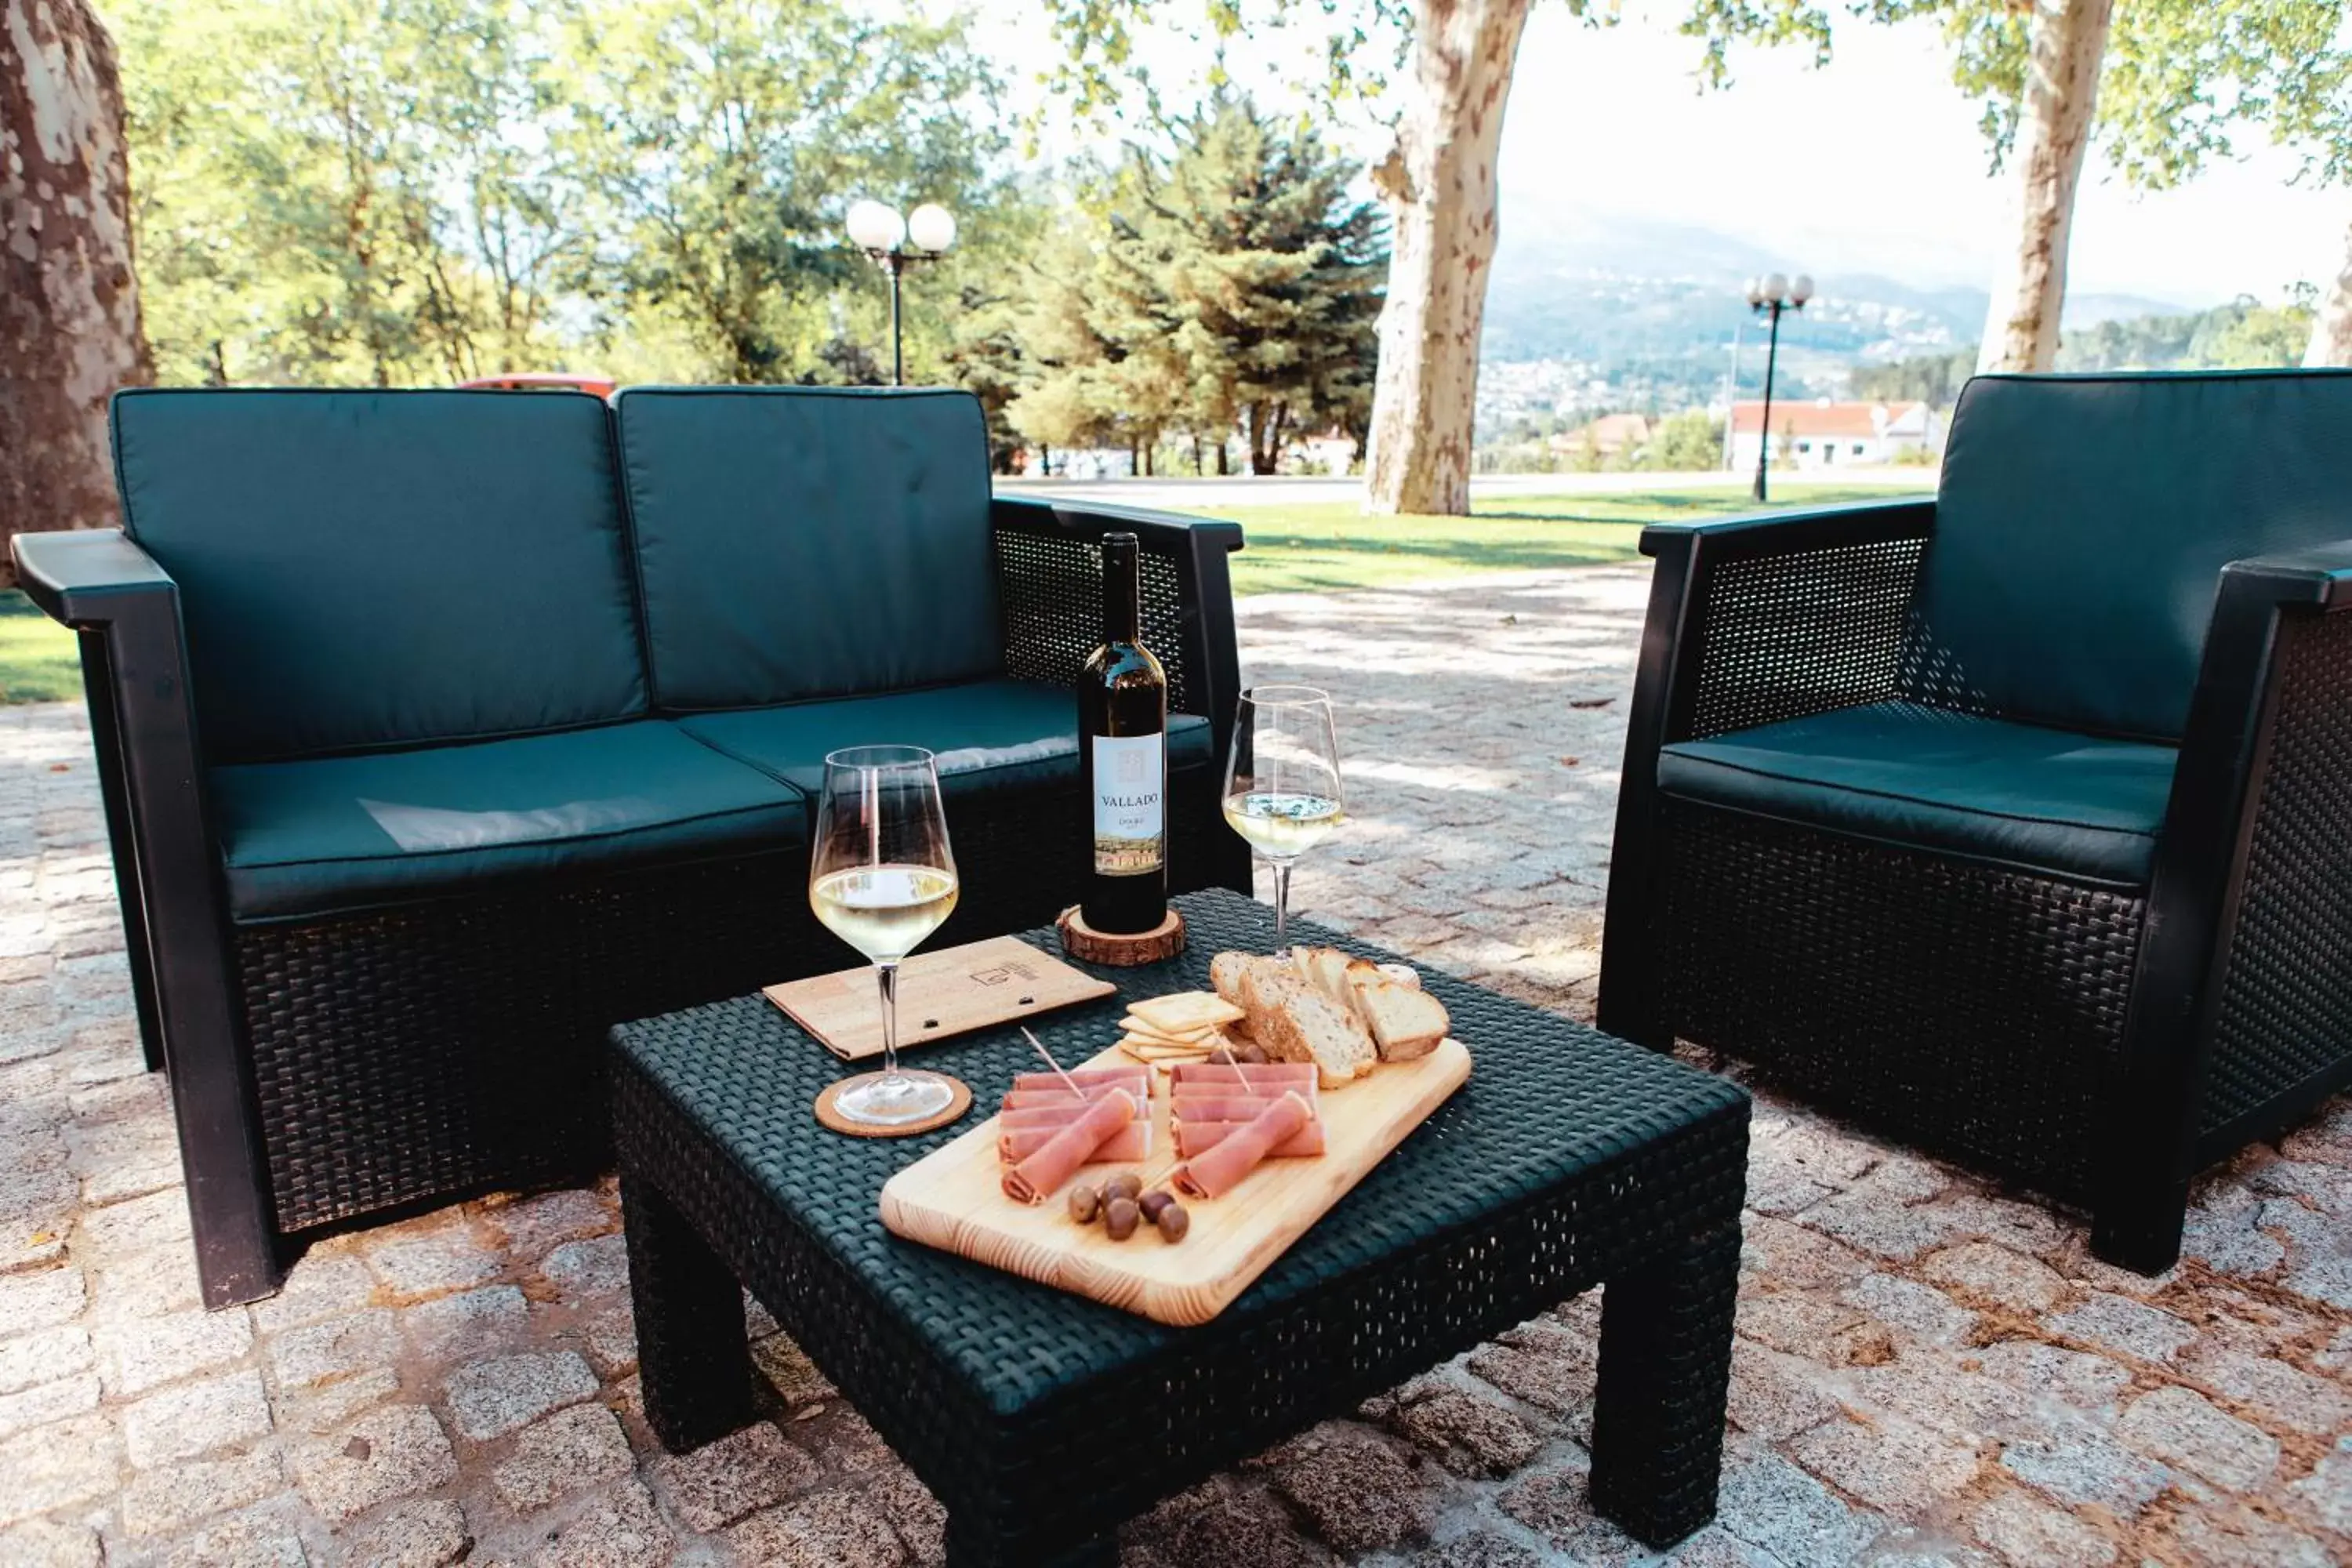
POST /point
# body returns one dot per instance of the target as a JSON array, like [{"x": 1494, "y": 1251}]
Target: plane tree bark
[
  {"x": 2067, "y": 45},
  {"x": 1439, "y": 181},
  {"x": 69, "y": 326}
]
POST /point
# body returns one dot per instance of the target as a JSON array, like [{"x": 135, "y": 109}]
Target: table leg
[
  {"x": 694, "y": 1363},
  {"x": 1665, "y": 1370}
]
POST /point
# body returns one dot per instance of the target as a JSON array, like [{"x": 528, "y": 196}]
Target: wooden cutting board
[
  {"x": 951, "y": 1199},
  {"x": 940, "y": 994}
]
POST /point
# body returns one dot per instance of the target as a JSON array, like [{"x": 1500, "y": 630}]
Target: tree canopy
[
  {"x": 1228, "y": 280},
  {"x": 390, "y": 190}
]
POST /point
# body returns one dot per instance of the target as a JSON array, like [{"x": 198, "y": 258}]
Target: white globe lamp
[
  {"x": 931, "y": 226},
  {"x": 874, "y": 227}
]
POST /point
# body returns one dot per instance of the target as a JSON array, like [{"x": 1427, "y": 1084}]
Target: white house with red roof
[{"x": 1826, "y": 434}]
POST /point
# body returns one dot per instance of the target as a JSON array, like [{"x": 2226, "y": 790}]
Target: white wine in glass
[
  {"x": 1282, "y": 783},
  {"x": 882, "y": 879}
]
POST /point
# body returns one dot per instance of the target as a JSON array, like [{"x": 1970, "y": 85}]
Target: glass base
[{"x": 893, "y": 1099}]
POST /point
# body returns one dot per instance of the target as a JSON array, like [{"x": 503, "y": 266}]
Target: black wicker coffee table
[{"x": 1042, "y": 1420}]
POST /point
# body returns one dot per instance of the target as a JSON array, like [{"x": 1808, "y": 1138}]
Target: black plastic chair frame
[
  {"x": 2149, "y": 1139},
  {"x": 179, "y": 934}
]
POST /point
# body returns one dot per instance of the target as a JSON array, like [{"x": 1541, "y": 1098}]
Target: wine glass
[
  {"x": 882, "y": 878},
  {"x": 1282, "y": 783}
]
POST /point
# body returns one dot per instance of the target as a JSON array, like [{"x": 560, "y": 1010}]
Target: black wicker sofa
[
  {"x": 440, "y": 730},
  {"x": 2018, "y": 823}
]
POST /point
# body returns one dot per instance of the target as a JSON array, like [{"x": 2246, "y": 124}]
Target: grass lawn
[
  {"x": 38, "y": 660},
  {"x": 1323, "y": 546},
  {"x": 1333, "y": 545}
]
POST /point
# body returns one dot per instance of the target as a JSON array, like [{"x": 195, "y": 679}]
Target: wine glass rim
[
  {"x": 873, "y": 759},
  {"x": 1277, "y": 696}
]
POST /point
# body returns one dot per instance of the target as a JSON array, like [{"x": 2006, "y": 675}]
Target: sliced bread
[
  {"x": 1297, "y": 1024},
  {"x": 1405, "y": 1021}
]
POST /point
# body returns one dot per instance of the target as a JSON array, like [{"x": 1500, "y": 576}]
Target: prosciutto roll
[
  {"x": 1031, "y": 1099},
  {"x": 1059, "y": 1115},
  {"x": 1135, "y": 1080},
  {"x": 1132, "y": 1141},
  {"x": 1038, "y": 1175},
  {"x": 1198, "y": 1137},
  {"x": 1259, "y": 1078},
  {"x": 1200, "y": 1106},
  {"x": 1217, "y": 1171}
]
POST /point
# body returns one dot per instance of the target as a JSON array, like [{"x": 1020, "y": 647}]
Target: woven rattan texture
[
  {"x": 1800, "y": 632},
  {"x": 413, "y": 1053},
  {"x": 1041, "y": 1418},
  {"x": 443, "y": 1048},
  {"x": 1968, "y": 1010},
  {"x": 2286, "y": 1001},
  {"x": 1051, "y": 586}
]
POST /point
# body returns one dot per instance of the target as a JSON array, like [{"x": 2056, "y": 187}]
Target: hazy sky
[{"x": 1872, "y": 164}]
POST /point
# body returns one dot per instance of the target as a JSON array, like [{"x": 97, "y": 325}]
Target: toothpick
[{"x": 1068, "y": 1081}]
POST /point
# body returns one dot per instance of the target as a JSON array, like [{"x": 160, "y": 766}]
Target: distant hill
[{"x": 1607, "y": 294}]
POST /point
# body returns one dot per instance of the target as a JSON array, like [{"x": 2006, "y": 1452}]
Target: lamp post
[
  {"x": 879, "y": 231},
  {"x": 1773, "y": 294}
]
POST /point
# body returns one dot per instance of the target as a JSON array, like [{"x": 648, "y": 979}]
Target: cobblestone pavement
[{"x": 1927, "y": 1371}]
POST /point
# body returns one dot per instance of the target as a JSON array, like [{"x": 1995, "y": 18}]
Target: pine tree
[{"x": 1241, "y": 286}]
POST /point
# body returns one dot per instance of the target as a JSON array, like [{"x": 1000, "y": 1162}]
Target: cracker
[
  {"x": 1135, "y": 1025},
  {"x": 1145, "y": 1051},
  {"x": 1185, "y": 1011}
]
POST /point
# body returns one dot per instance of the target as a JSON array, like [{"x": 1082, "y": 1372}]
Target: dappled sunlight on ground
[{"x": 1930, "y": 1370}]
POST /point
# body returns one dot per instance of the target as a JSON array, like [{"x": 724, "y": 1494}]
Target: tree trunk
[
  {"x": 2069, "y": 40},
  {"x": 2331, "y": 330},
  {"x": 69, "y": 328},
  {"x": 1440, "y": 184}
]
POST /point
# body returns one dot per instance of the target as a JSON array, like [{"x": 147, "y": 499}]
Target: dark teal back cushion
[
  {"x": 2082, "y": 524},
  {"x": 809, "y": 541},
  {"x": 369, "y": 569}
]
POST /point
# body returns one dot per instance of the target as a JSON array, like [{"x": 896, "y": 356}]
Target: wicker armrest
[
  {"x": 1756, "y": 619},
  {"x": 151, "y": 777},
  {"x": 2246, "y": 974},
  {"x": 1049, "y": 576},
  {"x": 1789, "y": 532},
  {"x": 83, "y": 578}
]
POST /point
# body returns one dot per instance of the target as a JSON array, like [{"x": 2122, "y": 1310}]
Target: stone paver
[{"x": 1930, "y": 1370}]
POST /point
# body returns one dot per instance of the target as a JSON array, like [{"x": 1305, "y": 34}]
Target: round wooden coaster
[
  {"x": 830, "y": 1115},
  {"x": 1088, "y": 945}
]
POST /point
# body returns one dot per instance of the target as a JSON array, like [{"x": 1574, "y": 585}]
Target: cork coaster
[
  {"x": 830, "y": 1116},
  {"x": 1083, "y": 942}
]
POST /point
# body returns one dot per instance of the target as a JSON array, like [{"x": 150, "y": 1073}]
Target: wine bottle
[{"x": 1123, "y": 752}]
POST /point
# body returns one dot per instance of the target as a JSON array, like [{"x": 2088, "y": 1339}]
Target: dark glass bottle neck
[{"x": 1122, "y": 618}]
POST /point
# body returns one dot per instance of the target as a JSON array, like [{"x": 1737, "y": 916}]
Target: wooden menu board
[{"x": 940, "y": 994}]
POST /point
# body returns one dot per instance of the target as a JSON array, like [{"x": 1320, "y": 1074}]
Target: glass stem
[
  {"x": 888, "y": 974},
  {"x": 1281, "y": 908}
]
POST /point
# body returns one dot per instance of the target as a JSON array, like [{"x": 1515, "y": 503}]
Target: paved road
[
  {"x": 1298, "y": 489},
  {"x": 1929, "y": 1371}
]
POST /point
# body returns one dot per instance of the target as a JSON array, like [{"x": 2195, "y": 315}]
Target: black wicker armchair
[
  {"x": 440, "y": 731},
  {"x": 2018, "y": 824}
]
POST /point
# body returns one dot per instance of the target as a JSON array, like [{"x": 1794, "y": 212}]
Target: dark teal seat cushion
[
  {"x": 326, "y": 835},
  {"x": 796, "y": 542},
  {"x": 990, "y": 735},
  {"x": 2042, "y": 800},
  {"x": 373, "y": 569},
  {"x": 2083, "y": 522}
]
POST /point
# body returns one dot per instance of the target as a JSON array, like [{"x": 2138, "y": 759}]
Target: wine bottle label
[{"x": 1130, "y": 774}]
